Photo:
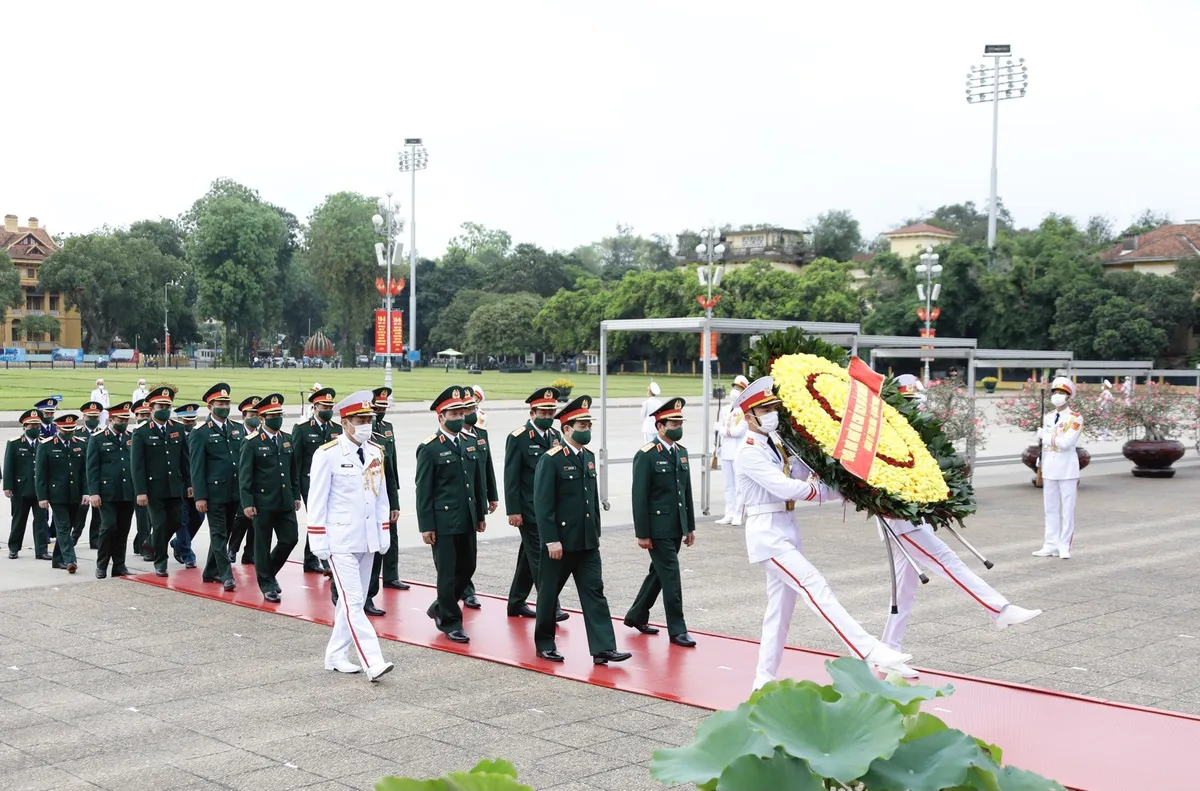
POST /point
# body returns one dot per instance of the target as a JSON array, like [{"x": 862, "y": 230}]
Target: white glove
[
  {"x": 1041, "y": 434},
  {"x": 322, "y": 554}
]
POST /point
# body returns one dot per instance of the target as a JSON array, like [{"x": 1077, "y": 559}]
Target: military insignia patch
[
  {"x": 679, "y": 405},
  {"x": 274, "y": 399},
  {"x": 456, "y": 394},
  {"x": 549, "y": 394},
  {"x": 174, "y": 434},
  {"x": 585, "y": 404},
  {"x": 591, "y": 465}
]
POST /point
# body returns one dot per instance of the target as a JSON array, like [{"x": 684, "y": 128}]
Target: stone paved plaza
[{"x": 118, "y": 685}]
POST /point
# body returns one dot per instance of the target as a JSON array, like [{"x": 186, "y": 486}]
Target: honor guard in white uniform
[
  {"x": 348, "y": 524},
  {"x": 932, "y": 553},
  {"x": 1060, "y": 470},
  {"x": 730, "y": 428},
  {"x": 649, "y": 407},
  {"x": 770, "y": 485}
]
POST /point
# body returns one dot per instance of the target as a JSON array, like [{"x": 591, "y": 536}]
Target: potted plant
[
  {"x": 989, "y": 384},
  {"x": 949, "y": 402},
  {"x": 1153, "y": 414},
  {"x": 487, "y": 775},
  {"x": 1025, "y": 411},
  {"x": 564, "y": 387}
]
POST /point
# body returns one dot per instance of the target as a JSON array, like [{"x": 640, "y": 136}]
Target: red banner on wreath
[
  {"x": 862, "y": 422},
  {"x": 381, "y": 332}
]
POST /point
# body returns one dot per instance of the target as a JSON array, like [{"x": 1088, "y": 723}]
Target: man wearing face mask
[
  {"x": 162, "y": 475},
  {"x": 141, "y": 538},
  {"x": 1060, "y": 470},
  {"x": 20, "y": 487},
  {"x": 663, "y": 520},
  {"x": 307, "y": 437},
  {"x": 190, "y": 519},
  {"x": 567, "y": 505},
  {"x": 476, "y": 431},
  {"x": 522, "y": 452},
  {"x": 100, "y": 396},
  {"x": 60, "y": 478},
  {"x": 451, "y": 488},
  {"x": 773, "y": 538},
  {"x": 731, "y": 427},
  {"x": 94, "y": 417},
  {"x": 243, "y": 528},
  {"x": 47, "y": 407},
  {"x": 269, "y": 485},
  {"x": 110, "y": 488},
  {"x": 213, "y": 451}
]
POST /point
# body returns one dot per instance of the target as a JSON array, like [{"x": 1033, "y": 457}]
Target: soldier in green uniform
[
  {"x": 269, "y": 482},
  {"x": 190, "y": 519},
  {"x": 141, "y": 538},
  {"x": 20, "y": 487},
  {"x": 451, "y": 509},
  {"x": 389, "y": 562},
  {"x": 475, "y": 429},
  {"x": 663, "y": 520},
  {"x": 92, "y": 411},
  {"x": 243, "y": 528},
  {"x": 60, "y": 475},
  {"x": 110, "y": 488},
  {"x": 307, "y": 437},
  {"x": 213, "y": 452},
  {"x": 567, "y": 506},
  {"x": 522, "y": 452},
  {"x": 161, "y": 472}
]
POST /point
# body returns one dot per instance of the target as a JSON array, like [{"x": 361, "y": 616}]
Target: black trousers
[
  {"x": 221, "y": 518},
  {"x": 21, "y": 508},
  {"x": 664, "y": 578},
  {"x": 585, "y": 567},
  {"x": 69, "y": 520},
  {"x": 115, "y": 521},
  {"x": 94, "y": 528},
  {"x": 166, "y": 517},
  {"x": 141, "y": 540},
  {"x": 391, "y": 559},
  {"x": 242, "y": 528},
  {"x": 525, "y": 576},
  {"x": 267, "y": 560},
  {"x": 454, "y": 559}
]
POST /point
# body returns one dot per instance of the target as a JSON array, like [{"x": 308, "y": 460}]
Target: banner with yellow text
[{"x": 862, "y": 422}]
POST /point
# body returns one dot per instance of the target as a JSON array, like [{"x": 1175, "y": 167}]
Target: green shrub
[{"x": 486, "y": 776}]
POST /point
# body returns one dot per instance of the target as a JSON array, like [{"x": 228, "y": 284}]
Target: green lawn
[{"x": 20, "y": 388}]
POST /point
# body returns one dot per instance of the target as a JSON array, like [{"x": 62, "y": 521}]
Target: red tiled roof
[
  {"x": 9, "y": 239},
  {"x": 862, "y": 258},
  {"x": 1167, "y": 243},
  {"x": 921, "y": 228}
]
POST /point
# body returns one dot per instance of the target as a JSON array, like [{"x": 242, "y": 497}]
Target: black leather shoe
[
  {"x": 314, "y": 568},
  {"x": 120, "y": 572},
  {"x": 56, "y": 565},
  {"x": 550, "y": 656},
  {"x": 370, "y": 609},
  {"x": 471, "y": 603},
  {"x": 72, "y": 568},
  {"x": 93, "y": 546},
  {"x": 684, "y": 639},
  {"x": 605, "y": 657},
  {"x": 247, "y": 561},
  {"x": 209, "y": 579},
  {"x": 562, "y": 615},
  {"x": 458, "y": 636},
  {"x": 524, "y": 611},
  {"x": 432, "y": 613},
  {"x": 396, "y": 585},
  {"x": 229, "y": 585},
  {"x": 273, "y": 596},
  {"x": 101, "y": 574},
  {"x": 148, "y": 558},
  {"x": 160, "y": 573},
  {"x": 191, "y": 564},
  {"x": 46, "y": 556},
  {"x": 644, "y": 628},
  {"x": 12, "y": 555}
]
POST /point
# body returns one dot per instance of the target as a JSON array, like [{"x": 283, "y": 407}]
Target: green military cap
[
  {"x": 578, "y": 409},
  {"x": 122, "y": 409},
  {"x": 248, "y": 404},
  {"x": 92, "y": 408},
  {"x": 162, "y": 393},
  {"x": 31, "y": 416},
  {"x": 66, "y": 420},
  {"x": 453, "y": 397},
  {"x": 217, "y": 391},
  {"x": 543, "y": 397},
  {"x": 382, "y": 394},
  {"x": 323, "y": 396},
  {"x": 140, "y": 407},
  {"x": 271, "y": 405},
  {"x": 671, "y": 410}
]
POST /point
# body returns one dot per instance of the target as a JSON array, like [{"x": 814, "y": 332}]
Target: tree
[
  {"x": 529, "y": 268},
  {"x": 570, "y": 320},
  {"x": 1147, "y": 221},
  {"x": 505, "y": 327},
  {"x": 339, "y": 255},
  {"x": 452, "y": 322},
  {"x": 969, "y": 222},
  {"x": 477, "y": 239},
  {"x": 165, "y": 233},
  {"x": 37, "y": 325},
  {"x": 1099, "y": 231},
  {"x": 11, "y": 294},
  {"x": 438, "y": 283},
  {"x": 625, "y": 252},
  {"x": 836, "y": 235}
]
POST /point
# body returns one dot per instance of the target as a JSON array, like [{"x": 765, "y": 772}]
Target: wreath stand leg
[
  {"x": 887, "y": 544},
  {"x": 987, "y": 564},
  {"x": 890, "y": 534}
]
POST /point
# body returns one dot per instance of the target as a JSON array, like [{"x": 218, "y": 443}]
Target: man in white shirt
[
  {"x": 773, "y": 539},
  {"x": 141, "y": 392},
  {"x": 649, "y": 407},
  {"x": 100, "y": 396},
  {"x": 347, "y": 525},
  {"x": 731, "y": 427},
  {"x": 1060, "y": 470}
]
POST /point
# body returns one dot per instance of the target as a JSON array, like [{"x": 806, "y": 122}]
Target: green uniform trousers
[
  {"x": 221, "y": 517},
  {"x": 141, "y": 539},
  {"x": 166, "y": 516},
  {"x": 525, "y": 575},
  {"x": 454, "y": 559},
  {"x": 585, "y": 567},
  {"x": 94, "y": 528},
  {"x": 69, "y": 521},
  {"x": 22, "y": 507},
  {"x": 115, "y": 520},
  {"x": 242, "y": 528},
  {"x": 267, "y": 560},
  {"x": 663, "y": 578}
]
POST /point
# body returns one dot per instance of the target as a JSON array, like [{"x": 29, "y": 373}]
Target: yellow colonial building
[
  {"x": 1156, "y": 252},
  {"x": 913, "y": 239},
  {"x": 28, "y": 246}
]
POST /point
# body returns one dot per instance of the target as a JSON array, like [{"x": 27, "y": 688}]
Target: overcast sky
[{"x": 558, "y": 120}]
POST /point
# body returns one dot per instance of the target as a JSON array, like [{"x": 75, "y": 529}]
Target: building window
[
  {"x": 33, "y": 301},
  {"x": 54, "y": 302},
  {"x": 31, "y": 272}
]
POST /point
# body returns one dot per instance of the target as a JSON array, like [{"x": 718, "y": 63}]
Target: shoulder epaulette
[
  {"x": 429, "y": 439},
  {"x": 649, "y": 446},
  {"x": 682, "y": 448},
  {"x": 516, "y": 432},
  {"x": 555, "y": 449},
  {"x": 49, "y": 439},
  {"x": 252, "y": 435},
  {"x": 329, "y": 444}
]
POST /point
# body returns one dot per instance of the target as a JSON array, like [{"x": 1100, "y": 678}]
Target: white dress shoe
[
  {"x": 1012, "y": 615},
  {"x": 1065, "y": 554},
  {"x": 1046, "y": 552},
  {"x": 725, "y": 520},
  {"x": 902, "y": 670},
  {"x": 375, "y": 671},
  {"x": 342, "y": 665},
  {"x": 736, "y": 522},
  {"x": 883, "y": 656}
]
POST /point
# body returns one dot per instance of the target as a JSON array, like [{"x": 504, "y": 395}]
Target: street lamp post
[
  {"x": 711, "y": 249},
  {"x": 991, "y": 84},
  {"x": 411, "y": 160},
  {"x": 929, "y": 269},
  {"x": 389, "y": 225},
  {"x": 166, "y": 331}
]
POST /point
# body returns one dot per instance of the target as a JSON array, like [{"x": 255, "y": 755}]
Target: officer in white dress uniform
[
  {"x": 1060, "y": 470},
  {"x": 649, "y": 407},
  {"x": 347, "y": 525},
  {"x": 773, "y": 538},
  {"x": 730, "y": 428},
  {"x": 100, "y": 396},
  {"x": 932, "y": 553}
]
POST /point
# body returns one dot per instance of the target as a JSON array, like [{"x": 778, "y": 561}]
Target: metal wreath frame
[{"x": 841, "y": 334}]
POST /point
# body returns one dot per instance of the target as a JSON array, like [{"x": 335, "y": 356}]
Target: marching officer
[
  {"x": 93, "y": 418},
  {"x": 60, "y": 474},
  {"x": 110, "y": 488},
  {"x": 213, "y": 452},
  {"x": 47, "y": 406},
  {"x": 269, "y": 484},
  {"x": 190, "y": 519},
  {"x": 731, "y": 427},
  {"x": 307, "y": 437},
  {"x": 243, "y": 528},
  {"x": 567, "y": 506},
  {"x": 450, "y": 492},
  {"x": 523, "y": 450},
  {"x": 141, "y": 538},
  {"x": 475, "y": 429},
  {"x": 161, "y": 473},
  {"x": 1060, "y": 470},
  {"x": 348, "y": 512},
  {"x": 20, "y": 487},
  {"x": 389, "y": 562},
  {"x": 663, "y": 519}
]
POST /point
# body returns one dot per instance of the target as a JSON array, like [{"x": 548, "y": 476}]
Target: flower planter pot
[
  {"x": 989, "y": 387},
  {"x": 1153, "y": 458},
  {"x": 564, "y": 395},
  {"x": 1030, "y": 458}
]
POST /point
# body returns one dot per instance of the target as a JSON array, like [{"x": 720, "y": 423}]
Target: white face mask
[
  {"x": 769, "y": 422},
  {"x": 1058, "y": 399},
  {"x": 353, "y": 432}
]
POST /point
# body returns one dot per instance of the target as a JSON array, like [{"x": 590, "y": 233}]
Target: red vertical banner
[
  {"x": 708, "y": 351},
  {"x": 381, "y": 332},
  {"x": 397, "y": 332},
  {"x": 862, "y": 422}
]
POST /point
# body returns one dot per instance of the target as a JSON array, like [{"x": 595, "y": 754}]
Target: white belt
[{"x": 768, "y": 508}]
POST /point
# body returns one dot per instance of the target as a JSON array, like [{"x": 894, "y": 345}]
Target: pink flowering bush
[
  {"x": 1026, "y": 409},
  {"x": 949, "y": 402},
  {"x": 1158, "y": 412},
  {"x": 1154, "y": 411}
]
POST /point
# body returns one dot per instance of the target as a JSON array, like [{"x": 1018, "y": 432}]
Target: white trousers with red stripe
[
  {"x": 932, "y": 554},
  {"x": 1058, "y": 499},
  {"x": 790, "y": 575},
  {"x": 352, "y": 631}
]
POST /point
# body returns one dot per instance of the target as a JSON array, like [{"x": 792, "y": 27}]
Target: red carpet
[{"x": 1085, "y": 744}]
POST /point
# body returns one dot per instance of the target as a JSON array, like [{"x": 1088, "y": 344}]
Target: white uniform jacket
[
  {"x": 347, "y": 499},
  {"x": 1059, "y": 460},
  {"x": 764, "y": 490},
  {"x": 649, "y": 407},
  {"x": 731, "y": 425}
]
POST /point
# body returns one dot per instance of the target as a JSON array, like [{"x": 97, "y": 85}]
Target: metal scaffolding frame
[
  {"x": 1134, "y": 368},
  {"x": 836, "y": 333}
]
